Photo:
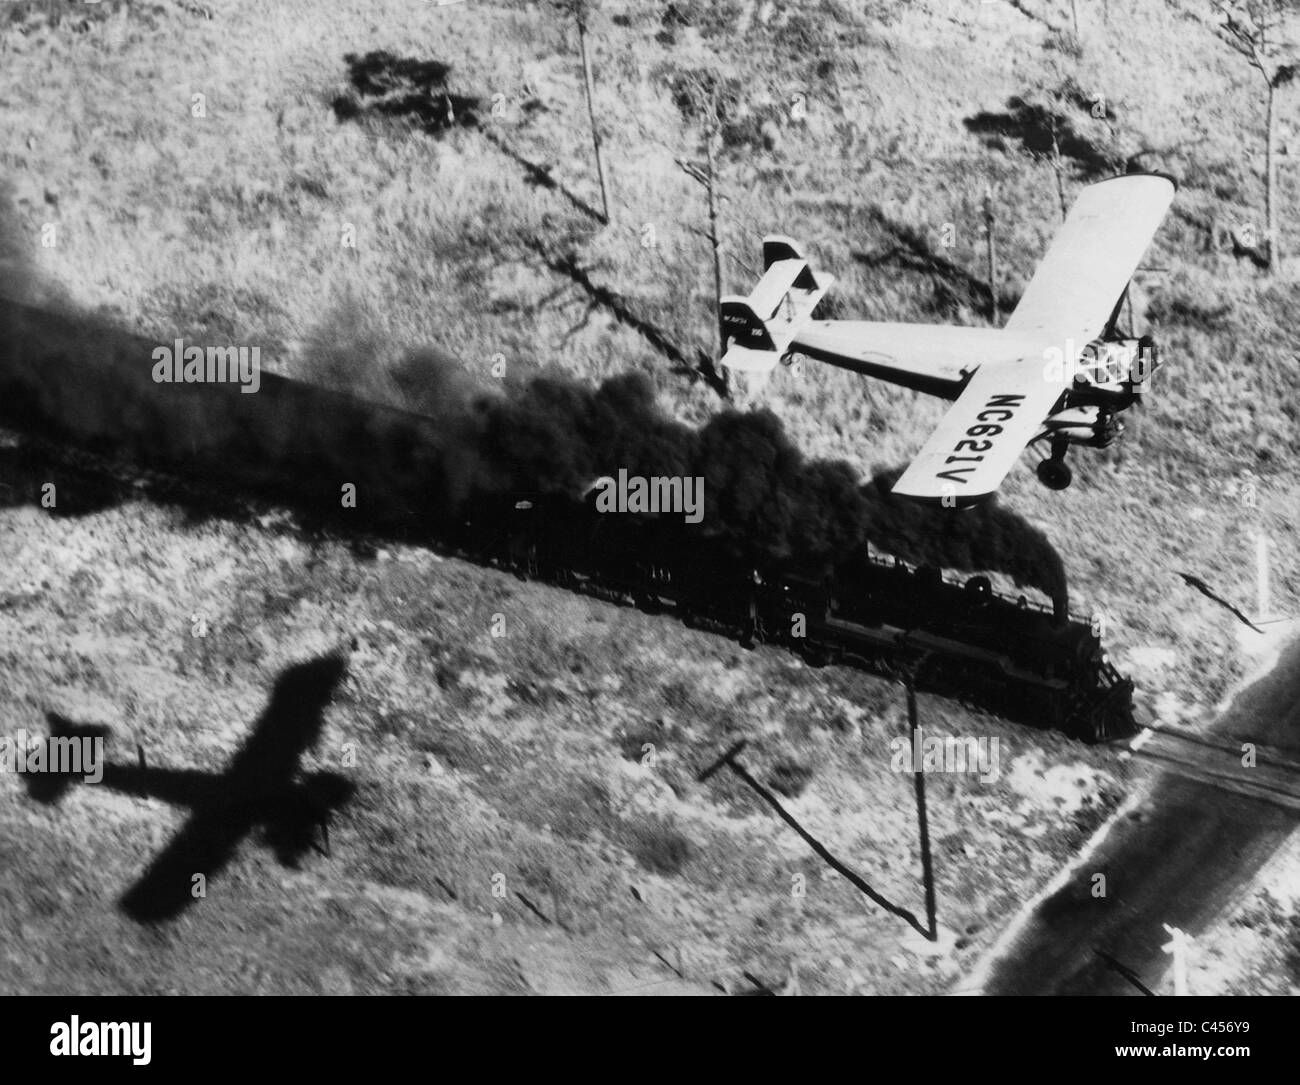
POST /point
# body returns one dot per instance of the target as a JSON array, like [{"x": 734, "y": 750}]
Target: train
[{"x": 962, "y": 640}]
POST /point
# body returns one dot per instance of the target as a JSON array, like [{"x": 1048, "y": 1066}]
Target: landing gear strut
[{"x": 1054, "y": 472}]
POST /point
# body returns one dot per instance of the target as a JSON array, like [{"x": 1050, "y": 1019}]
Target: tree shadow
[
  {"x": 262, "y": 788},
  {"x": 911, "y": 251},
  {"x": 416, "y": 90},
  {"x": 701, "y": 367},
  {"x": 540, "y": 176},
  {"x": 730, "y": 760},
  {"x": 1041, "y": 130}
]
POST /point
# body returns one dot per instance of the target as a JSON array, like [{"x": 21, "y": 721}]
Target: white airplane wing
[
  {"x": 1091, "y": 259},
  {"x": 1000, "y": 411},
  {"x": 1066, "y": 306}
]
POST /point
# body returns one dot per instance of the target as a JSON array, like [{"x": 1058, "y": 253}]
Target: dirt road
[{"x": 1179, "y": 858}]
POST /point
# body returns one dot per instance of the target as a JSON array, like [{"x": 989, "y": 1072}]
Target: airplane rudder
[{"x": 742, "y": 325}]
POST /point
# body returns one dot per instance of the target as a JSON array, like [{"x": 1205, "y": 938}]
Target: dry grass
[{"x": 229, "y": 226}]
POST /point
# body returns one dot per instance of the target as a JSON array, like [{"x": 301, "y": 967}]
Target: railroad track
[{"x": 1219, "y": 761}]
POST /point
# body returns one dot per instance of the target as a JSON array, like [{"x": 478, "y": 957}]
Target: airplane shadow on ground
[{"x": 262, "y": 788}]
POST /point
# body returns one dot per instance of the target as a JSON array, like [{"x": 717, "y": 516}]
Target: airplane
[
  {"x": 1059, "y": 371},
  {"x": 262, "y": 786}
]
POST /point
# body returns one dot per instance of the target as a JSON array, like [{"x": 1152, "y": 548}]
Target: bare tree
[
  {"x": 703, "y": 89},
  {"x": 582, "y": 11},
  {"x": 1255, "y": 30},
  {"x": 990, "y": 225}
]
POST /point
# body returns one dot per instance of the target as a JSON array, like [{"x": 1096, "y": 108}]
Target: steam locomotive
[{"x": 964, "y": 641}]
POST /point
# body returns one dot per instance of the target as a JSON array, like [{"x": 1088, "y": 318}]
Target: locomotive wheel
[
  {"x": 1054, "y": 474},
  {"x": 979, "y": 589}
]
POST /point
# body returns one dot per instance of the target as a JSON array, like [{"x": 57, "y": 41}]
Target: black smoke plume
[
  {"x": 82, "y": 381},
  {"x": 763, "y": 498},
  {"x": 986, "y": 537}
]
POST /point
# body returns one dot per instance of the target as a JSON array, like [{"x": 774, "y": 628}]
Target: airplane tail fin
[
  {"x": 758, "y": 329},
  {"x": 50, "y": 786},
  {"x": 744, "y": 329}
]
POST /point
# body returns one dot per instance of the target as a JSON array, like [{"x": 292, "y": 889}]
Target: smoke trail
[
  {"x": 986, "y": 538},
  {"x": 763, "y": 498}
]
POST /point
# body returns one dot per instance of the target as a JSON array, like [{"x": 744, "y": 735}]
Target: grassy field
[
  {"x": 288, "y": 175},
  {"x": 522, "y": 756}
]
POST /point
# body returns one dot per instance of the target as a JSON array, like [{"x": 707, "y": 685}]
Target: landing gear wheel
[{"x": 1055, "y": 474}]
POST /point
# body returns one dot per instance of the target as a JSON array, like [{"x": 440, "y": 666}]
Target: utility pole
[
  {"x": 1058, "y": 168},
  {"x": 1270, "y": 181},
  {"x": 927, "y": 865},
  {"x": 1261, "y": 575},
  {"x": 713, "y": 240},
  {"x": 707, "y": 178},
  {"x": 994, "y": 315},
  {"x": 1179, "y": 947},
  {"x": 1250, "y": 30},
  {"x": 581, "y": 13}
]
